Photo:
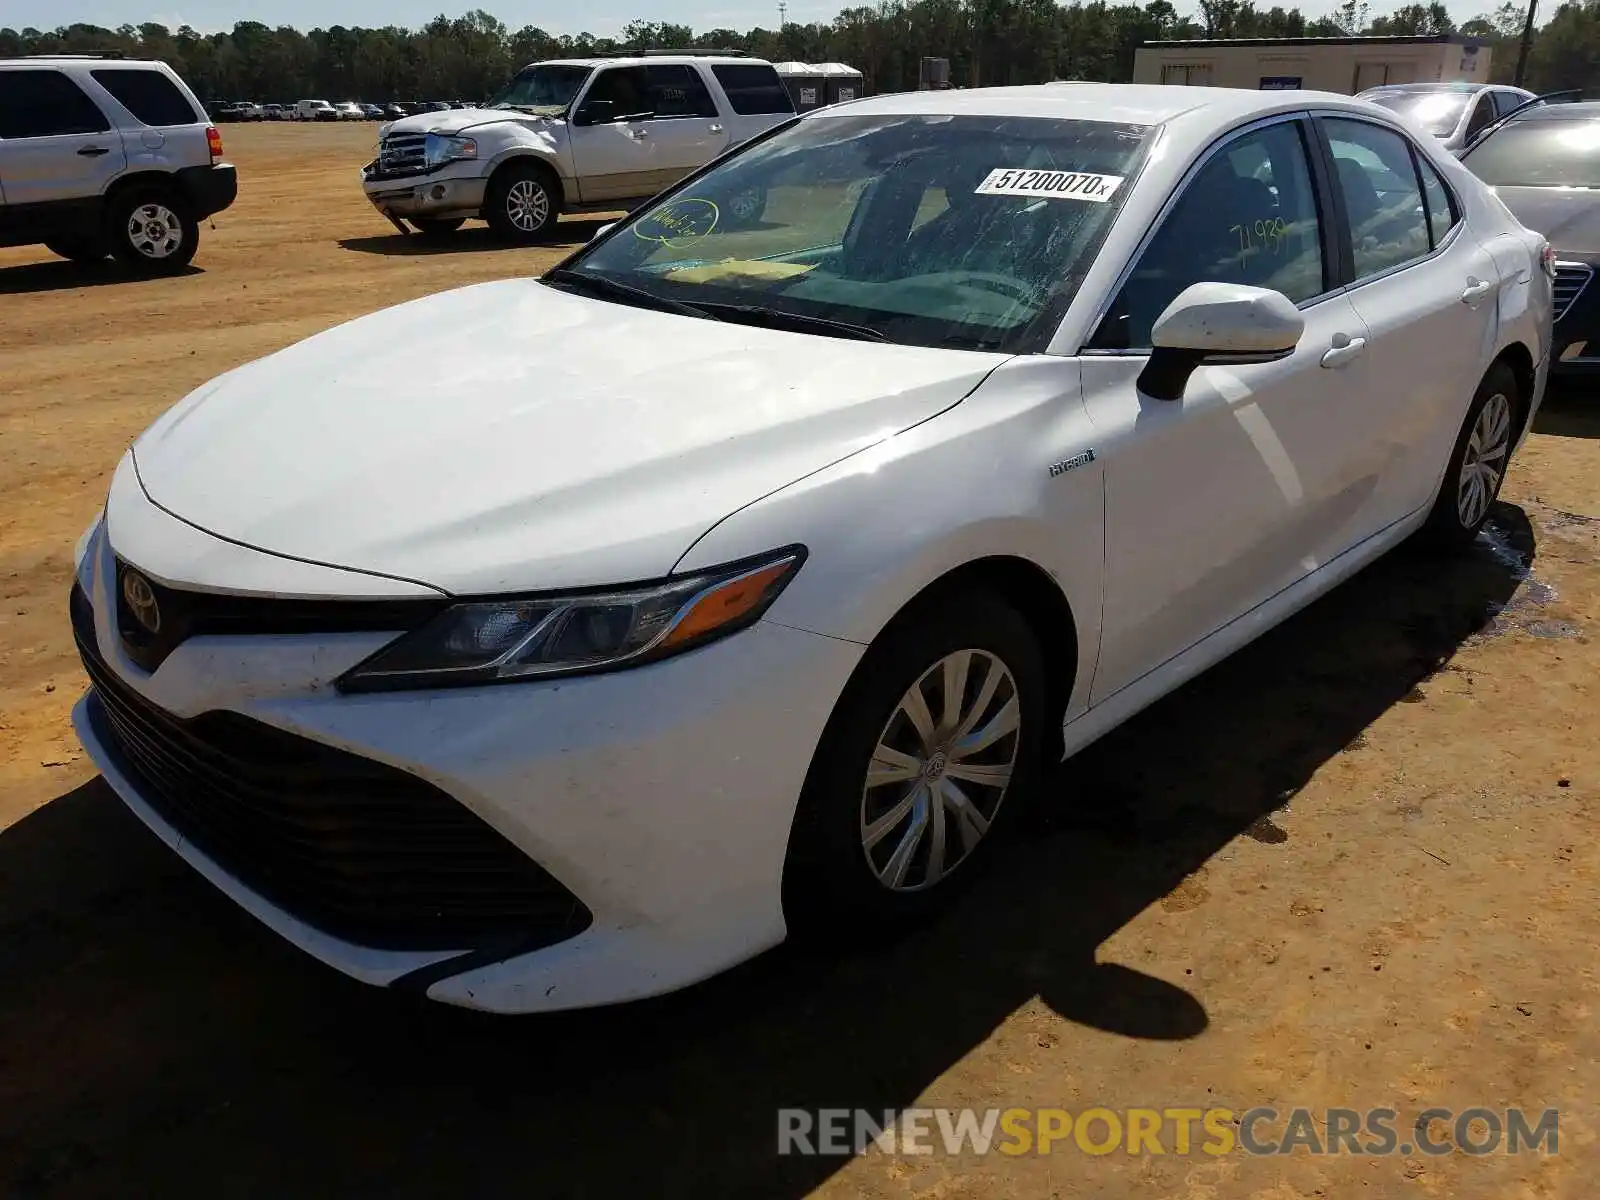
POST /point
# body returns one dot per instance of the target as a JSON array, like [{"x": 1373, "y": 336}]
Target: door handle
[
  {"x": 1475, "y": 291},
  {"x": 92, "y": 151},
  {"x": 715, "y": 128},
  {"x": 1345, "y": 350},
  {"x": 638, "y": 134}
]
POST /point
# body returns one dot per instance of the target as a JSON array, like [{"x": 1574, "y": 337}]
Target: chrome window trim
[{"x": 1199, "y": 164}]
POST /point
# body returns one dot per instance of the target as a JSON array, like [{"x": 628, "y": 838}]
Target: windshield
[
  {"x": 1437, "y": 112},
  {"x": 969, "y": 232},
  {"x": 1547, "y": 153},
  {"x": 547, "y": 88}
]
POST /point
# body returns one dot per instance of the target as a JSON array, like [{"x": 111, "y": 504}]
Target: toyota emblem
[{"x": 141, "y": 598}]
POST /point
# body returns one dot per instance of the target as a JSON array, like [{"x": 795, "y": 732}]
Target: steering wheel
[{"x": 1003, "y": 285}]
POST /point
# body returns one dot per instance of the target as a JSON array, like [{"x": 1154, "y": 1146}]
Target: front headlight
[
  {"x": 440, "y": 148},
  {"x": 495, "y": 641}
]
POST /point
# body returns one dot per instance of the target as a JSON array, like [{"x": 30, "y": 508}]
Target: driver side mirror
[{"x": 1217, "y": 323}]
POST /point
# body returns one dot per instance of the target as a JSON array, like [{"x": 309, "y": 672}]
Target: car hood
[
  {"x": 457, "y": 119},
  {"x": 1568, "y": 217},
  {"x": 511, "y": 436}
]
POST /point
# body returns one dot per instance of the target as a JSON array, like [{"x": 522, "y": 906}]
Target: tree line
[{"x": 986, "y": 41}]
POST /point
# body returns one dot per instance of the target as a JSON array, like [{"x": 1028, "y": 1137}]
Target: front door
[
  {"x": 1260, "y": 474},
  {"x": 610, "y": 136}
]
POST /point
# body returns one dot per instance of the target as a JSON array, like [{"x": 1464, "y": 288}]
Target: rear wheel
[
  {"x": 431, "y": 227},
  {"x": 151, "y": 231},
  {"x": 79, "y": 249},
  {"x": 1477, "y": 462},
  {"x": 523, "y": 202},
  {"x": 925, "y": 761}
]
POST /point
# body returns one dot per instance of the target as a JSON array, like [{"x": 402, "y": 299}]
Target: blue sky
[{"x": 602, "y": 17}]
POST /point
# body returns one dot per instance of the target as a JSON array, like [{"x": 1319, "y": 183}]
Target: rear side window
[
  {"x": 148, "y": 95},
  {"x": 45, "y": 104},
  {"x": 753, "y": 89},
  {"x": 1441, "y": 207},
  {"x": 1375, "y": 174},
  {"x": 1482, "y": 114},
  {"x": 678, "y": 91}
]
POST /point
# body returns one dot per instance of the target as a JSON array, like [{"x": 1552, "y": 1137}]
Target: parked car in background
[
  {"x": 105, "y": 157},
  {"x": 1544, "y": 165},
  {"x": 272, "y": 112},
  {"x": 349, "y": 110},
  {"x": 1455, "y": 113},
  {"x": 575, "y": 135},
  {"x": 372, "y": 112},
  {"x": 315, "y": 110},
  {"x": 393, "y": 112},
  {"x": 843, "y": 526}
]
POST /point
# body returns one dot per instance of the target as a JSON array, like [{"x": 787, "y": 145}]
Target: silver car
[{"x": 1455, "y": 113}]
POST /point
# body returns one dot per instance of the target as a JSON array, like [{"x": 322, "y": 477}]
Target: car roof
[
  {"x": 656, "y": 60},
  {"x": 1581, "y": 110},
  {"x": 1126, "y": 103},
  {"x": 1450, "y": 85},
  {"x": 103, "y": 60}
]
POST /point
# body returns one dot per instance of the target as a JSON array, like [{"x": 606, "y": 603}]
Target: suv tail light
[{"x": 214, "y": 142}]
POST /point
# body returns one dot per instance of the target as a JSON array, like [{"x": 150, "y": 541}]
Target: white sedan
[{"x": 560, "y": 641}]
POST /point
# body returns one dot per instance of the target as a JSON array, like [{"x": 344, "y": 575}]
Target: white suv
[
  {"x": 106, "y": 156},
  {"x": 575, "y": 135}
]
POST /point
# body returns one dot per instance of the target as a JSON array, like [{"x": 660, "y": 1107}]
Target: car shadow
[
  {"x": 63, "y": 275},
  {"x": 568, "y": 234},
  {"x": 155, "y": 1038},
  {"x": 1571, "y": 408}
]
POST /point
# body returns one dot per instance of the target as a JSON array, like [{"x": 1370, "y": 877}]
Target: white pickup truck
[{"x": 574, "y": 135}]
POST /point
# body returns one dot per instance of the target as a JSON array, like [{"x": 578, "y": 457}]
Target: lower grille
[
  {"x": 402, "y": 154},
  {"x": 356, "y": 848},
  {"x": 1571, "y": 279}
]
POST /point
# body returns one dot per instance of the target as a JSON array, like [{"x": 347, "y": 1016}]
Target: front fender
[{"x": 973, "y": 482}]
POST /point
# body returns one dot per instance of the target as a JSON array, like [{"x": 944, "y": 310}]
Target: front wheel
[
  {"x": 436, "y": 227},
  {"x": 1478, "y": 462},
  {"x": 151, "y": 231},
  {"x": 523, "y": 203},
  {"x": 926, "y": 759}
]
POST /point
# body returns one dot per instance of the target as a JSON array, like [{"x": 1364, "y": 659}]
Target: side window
[
  {"x": 1249, "y": 216},
  {"x": 678, "y": 91},
  {"x": 1441, "y": 205},
  {"x": 149, "y": 95},
  {"x": 1388, "y": 225},
  {"x": 1504, "y": 102},
  {"x": 753, "y": 90},
  {"x": 45, "y": 104},
  {"x": 617, "y": 92},
  {"x": 1482, "y": 114}
]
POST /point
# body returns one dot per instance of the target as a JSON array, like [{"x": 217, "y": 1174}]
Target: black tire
[
  {"x": 151, "y": 231},
  {"x": 1459, "y": 511},
  {"x": 83, "y": 250},
  {"x": 829, "y": 884},
  {"x": 440, "y": 227},
  {"x": 522, "y": 202},
  {"x": 746, "y": 209}
]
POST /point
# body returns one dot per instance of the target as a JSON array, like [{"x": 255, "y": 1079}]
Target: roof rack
[
  {"x": 79, "y": 54},
  {"x": 1569, "y": 96},
  {"x": 693, "y": 52}
]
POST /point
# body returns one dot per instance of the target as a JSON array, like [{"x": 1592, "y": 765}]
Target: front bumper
[
  {"x": 429, "y": 196},
  {"x": 661, "y": 797}
]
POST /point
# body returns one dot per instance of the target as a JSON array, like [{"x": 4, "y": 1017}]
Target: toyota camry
[{"x": 560, "y": 641}]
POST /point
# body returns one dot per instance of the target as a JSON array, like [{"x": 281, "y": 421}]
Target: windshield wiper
[
  {"x": 599, "y": 285},
  {"x": 777, "y": 318}
]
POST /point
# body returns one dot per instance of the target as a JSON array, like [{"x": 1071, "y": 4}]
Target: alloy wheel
[
  {"x": 154, "y": 231},
  {"x": 1484, "y": 463},
  {"x": 940, "y": 770},
  {"x": 527, "y": 205}
]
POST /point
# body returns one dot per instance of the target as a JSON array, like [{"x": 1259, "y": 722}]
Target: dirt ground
[{"x": 1356, "y": 866}]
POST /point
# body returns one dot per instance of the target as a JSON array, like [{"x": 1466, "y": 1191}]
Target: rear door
[
  {"x": 56, "y": 147},
  {"x": 1427, "y": 291},
  {"x": 685, "y": 130},
  {"x": 755, "y": 96}
]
